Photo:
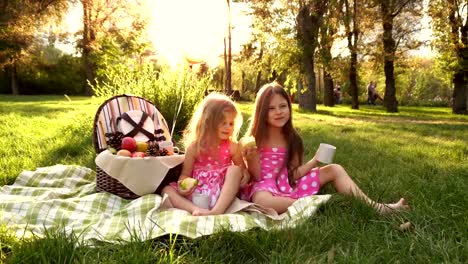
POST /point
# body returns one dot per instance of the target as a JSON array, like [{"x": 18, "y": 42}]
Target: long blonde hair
[{"x": 203, "y": 125}]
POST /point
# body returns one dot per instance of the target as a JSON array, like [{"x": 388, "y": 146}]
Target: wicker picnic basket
[{"x": 105, "y": 126}]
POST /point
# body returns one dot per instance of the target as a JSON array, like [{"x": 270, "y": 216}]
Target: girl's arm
[
  {"x": 305, "y": 168},
  {"x": 187, "y": 170},
  {"x": 239, "y": 161},
  {"x": 252, "y": 157},
  {"x": 189, "y": 159}
]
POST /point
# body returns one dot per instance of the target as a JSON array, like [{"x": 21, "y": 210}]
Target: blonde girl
[
  {"x": 212, "y": 157},
  {"x": 279, "y": 175}
]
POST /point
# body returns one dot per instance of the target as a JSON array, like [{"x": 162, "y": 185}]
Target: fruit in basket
[
  {"x": 112, "y": 150},
  {"x": 129, "y": 144},
  {"x": 114, "y": 139},
  {"x": 163, "y": 152},
  {"x": 138, "y": 154},
  {"x": 141, "y": 146},
  {"x": 153, "y": 149},
  {"x": 124, "y": 153},
  {"x": 188, "y": 183}
]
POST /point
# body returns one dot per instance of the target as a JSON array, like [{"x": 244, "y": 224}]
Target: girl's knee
[
  {"x": 167, "y": 190},
  {"x": 338, "y": 168},
  {"x": 335, "y": 169},
  {"x": 330, "y": 173},
  {"x": 260, "y": 196}
]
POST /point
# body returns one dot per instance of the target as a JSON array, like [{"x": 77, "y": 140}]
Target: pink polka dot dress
[
  {"x": 210, "y": 170},
  {"x": 275, "y": 180}
]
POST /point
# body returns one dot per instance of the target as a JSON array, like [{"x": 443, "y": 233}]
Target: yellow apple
[
  {"x": 141, "y": 146},
  {"x": 188, "y": 183}
]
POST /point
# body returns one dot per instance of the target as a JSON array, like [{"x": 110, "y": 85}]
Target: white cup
[
  {"x": 325, "y": 153},
  {"x": 201, "y": 200},
  {"x": 169, "y": 146}
]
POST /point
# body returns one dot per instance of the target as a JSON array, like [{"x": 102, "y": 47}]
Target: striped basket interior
[{"x": 105, "y": 120}]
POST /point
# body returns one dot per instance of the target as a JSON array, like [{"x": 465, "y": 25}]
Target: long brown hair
[{"x": 258, "y": 127}]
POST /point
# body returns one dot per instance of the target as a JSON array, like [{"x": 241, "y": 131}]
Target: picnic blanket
[{"x": 64, "y": 197}]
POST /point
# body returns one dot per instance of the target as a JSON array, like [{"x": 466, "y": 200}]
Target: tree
[
  {"x": 97, "y": 15},
  {"x": 228, "y": 54},
  {"x": 450, "y": 21},
  {"x": 272, "y": 49},
  {"x": 389, "y": 9},
  {"x": 351, "y": 22},
  {"x": 288, "y": 33},
  {"x": 19, "y": 22},
  {"x": 327, "y": 35},
  {"x": 309, "y": 19}
]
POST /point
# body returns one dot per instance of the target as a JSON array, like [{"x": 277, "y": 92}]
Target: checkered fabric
[{"x": 64, "y": 196}]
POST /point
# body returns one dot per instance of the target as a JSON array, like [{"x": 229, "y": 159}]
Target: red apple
[
  {"x": 129, "y": 144},
  {"x": 124, "y": 152},
  {"x": 138, "y": 154}
]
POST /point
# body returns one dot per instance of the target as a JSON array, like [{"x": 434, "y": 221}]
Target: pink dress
[
  {"x": 276, "y": 182},
  {"x": 210, "y": 170}
]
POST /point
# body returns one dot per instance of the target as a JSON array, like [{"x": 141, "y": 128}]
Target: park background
[{"x": 60, "y": 59}]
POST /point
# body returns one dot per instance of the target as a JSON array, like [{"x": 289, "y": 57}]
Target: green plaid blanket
[{"x": 64, "y": 196}]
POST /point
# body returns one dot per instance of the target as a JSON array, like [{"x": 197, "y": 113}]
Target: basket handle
[{"x": 136, "y": 127}]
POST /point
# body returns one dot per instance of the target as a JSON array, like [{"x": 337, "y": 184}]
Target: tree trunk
[
  {"x": 300, "y": 88},
  {"x": 328, "y": 96},
  {"x": 352, "y": 35},
  {"x": 309, "y": 18},
  {"x": 228, "y": 55},
  {"x": 89, "y": 39},
  {"x": 459, "y": 33},
  {"x": 14, "y": 79},
  {"x": 243, "y": 81},
  {"x": 229, "y": 63},
  {"x": 307, "y": 98},
  {"x": 353, "y": 80},
  {"x": 390, "y": 101},
  {"x": 258, "y": 81},
  {"x": 459, "y": 93}
]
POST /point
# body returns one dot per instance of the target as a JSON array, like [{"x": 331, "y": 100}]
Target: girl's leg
[
  {"x": 266, "y": 199},
  {"x": 179, "y": 201},
  {"x": 228, "y": 192},
  {"x": 340, "y": 179}
]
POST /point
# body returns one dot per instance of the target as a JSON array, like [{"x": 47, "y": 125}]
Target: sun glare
[{"x": 184, "y": 30}]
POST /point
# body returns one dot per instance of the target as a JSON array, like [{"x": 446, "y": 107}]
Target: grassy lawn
[{"x": 420, "y": 153}]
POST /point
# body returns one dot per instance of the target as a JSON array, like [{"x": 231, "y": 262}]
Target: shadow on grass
[
  {"x": 40, "y": 98},
  {"x": 30, "y": 111},
  {"x": 406, "y": 112},
  {"x": 77, "y": 145}
]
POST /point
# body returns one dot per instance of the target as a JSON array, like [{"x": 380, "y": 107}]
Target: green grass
[{"x": 420, "y": 153}]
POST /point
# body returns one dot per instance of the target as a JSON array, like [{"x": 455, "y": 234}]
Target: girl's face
[
  {"x": 278, "y": 111},
  {"x": 226, "y": 127}
]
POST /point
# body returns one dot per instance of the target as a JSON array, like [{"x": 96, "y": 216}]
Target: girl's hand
[
  {"x": 185, "y": 192},
  {"x": 245, "y": 178},
  {"x": 249, "y": 152}
]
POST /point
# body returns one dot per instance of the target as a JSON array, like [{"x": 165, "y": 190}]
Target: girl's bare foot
[
  {"x": 201, "y": 211},
  {"x": 386, "y": 209}
]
